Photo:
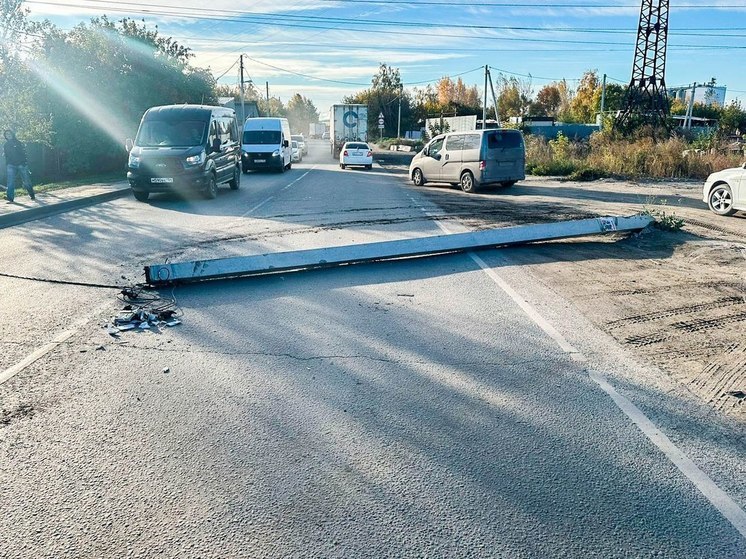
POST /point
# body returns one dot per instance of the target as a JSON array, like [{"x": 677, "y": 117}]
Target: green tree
[
  {"x": 514, "y": 97},
  {"x": 20, "y": 89},
  {"x": 102, "y": 76},
  {"x": 733, "y": 118},
  {"x": 383, "y": 97},
  {"x": 301, "y": 112},
  {"x": 547, "y": 101},
  {"x": 587, "y": 99},
  {"x": 272, "y": 107}
]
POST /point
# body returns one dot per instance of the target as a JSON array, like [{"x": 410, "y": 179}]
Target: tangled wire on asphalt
[{"x": 144, "y": 309}]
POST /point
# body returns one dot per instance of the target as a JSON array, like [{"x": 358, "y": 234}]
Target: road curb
[{"x": 24, "y": 216}]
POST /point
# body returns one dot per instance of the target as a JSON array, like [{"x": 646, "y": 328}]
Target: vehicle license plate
[
  {"x": 260, "y": 160},
  {"x": 161, "y": 180},
  {"x": 357, "y": 153}
]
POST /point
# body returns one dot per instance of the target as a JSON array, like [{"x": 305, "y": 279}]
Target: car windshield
[
  {"x": 295, "y": 144},
  {"x": 357, "y": 146},
  {"x": 261, "y": 137},
  {"x": 171, "y": 133}
]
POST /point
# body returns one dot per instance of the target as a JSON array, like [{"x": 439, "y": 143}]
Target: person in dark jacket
[{"x": 15, "y": 159}]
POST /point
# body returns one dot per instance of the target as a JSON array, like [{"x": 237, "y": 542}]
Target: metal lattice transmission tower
[{"x": 646, "y": 101}]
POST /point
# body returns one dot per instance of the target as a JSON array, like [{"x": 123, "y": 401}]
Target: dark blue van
[{"x": 182, "y": 148}]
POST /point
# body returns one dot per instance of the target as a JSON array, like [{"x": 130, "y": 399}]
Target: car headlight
[
  {"x": 134, "y": 161},
  {"x": 276, "y": 153},
  {"x": 198, "y": 159}
]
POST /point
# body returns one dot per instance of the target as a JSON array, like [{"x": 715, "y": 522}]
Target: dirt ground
[{"x": 676, "y": 299}]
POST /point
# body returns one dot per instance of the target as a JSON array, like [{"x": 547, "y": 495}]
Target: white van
[{"x": 266, "y": 144}]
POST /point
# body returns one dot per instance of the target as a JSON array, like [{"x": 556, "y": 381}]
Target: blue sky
[{"x": 325, "y": 49}]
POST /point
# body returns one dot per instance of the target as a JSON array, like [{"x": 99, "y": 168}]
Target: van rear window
[
  {"x": 504, "y": 139},
  {"x": 262, "y": 137}
]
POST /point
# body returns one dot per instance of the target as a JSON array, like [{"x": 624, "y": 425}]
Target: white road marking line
[
  {"x": 59, "y": 339},
  {"x": 539, "y": 320},
  {"x": 298, "y": 179},
  {"x": 719, "y": 499},
  {"x": 259, "y": 205},
  {"x": 711, "y": 491},
  {"x": 270, "y": 198}
]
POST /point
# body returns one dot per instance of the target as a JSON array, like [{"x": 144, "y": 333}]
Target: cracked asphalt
[{"x": 400, "y": 409}]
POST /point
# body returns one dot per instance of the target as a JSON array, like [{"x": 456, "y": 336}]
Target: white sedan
[
  {"x": 725, "y": 191},
  {"x": 356, "y": 153},
  {"x": 296, "y": 154}
]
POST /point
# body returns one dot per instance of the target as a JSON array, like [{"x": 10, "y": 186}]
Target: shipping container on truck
[
  {"x": 316, "y": 129},
  {"x": 348, "y": 123}
]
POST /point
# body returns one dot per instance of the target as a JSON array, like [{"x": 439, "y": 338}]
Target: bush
[{"x": 606, "y": 154}]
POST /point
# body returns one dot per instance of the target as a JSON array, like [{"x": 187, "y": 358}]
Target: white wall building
[{"x": 704, "y": 94}]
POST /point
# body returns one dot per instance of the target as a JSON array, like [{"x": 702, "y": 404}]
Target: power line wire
[
  {"x": 411, "y": 4},
  {"x": 309, "y": 76},
  {"x": 410, "y": 33}
]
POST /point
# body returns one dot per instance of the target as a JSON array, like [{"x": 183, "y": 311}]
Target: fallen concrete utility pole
[{"x": 271, "y": 263}]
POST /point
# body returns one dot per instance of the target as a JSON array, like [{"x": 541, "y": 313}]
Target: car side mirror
[
  {"x": 286, "y": 143},
  {"x": 215, "y": 145},
  {"x": 129, "y": 144},
  {"x": 744, "y": 165},
  {"x": 425, "y": 152},
  {"x": 436, "y": 157}
]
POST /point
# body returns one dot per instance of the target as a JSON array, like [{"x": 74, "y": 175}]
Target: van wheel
[
  {"x": 290, "y": 166},
  {"x": 368, "y": 167},
  {"x": 235, "y": 183},
  {"x": 245, "y": 170},
  {"x": 342, "y": 165},
  {"x": 211, "y": 192},
  {"x": 507, "y": 184},
  {"x": 418, "y": 178},
  {"x": 467, "y": 182},
  {"x": 141, "y": 195}
]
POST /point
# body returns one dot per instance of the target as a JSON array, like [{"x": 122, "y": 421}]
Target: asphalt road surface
[{"x": 437, "y": 407}]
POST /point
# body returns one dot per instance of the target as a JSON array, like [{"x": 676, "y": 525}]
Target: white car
[
  {"x": 301, "y": 144},
  {"x": 297, "y": 153},
  {"x": 356, "y": 154},
  {"x": 725, "y": 191}
]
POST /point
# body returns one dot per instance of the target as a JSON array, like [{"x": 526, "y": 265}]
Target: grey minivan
[{"x": 472, "y": 159}]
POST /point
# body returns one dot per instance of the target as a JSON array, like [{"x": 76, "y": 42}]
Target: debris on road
[{"x": 143, "y": 310}]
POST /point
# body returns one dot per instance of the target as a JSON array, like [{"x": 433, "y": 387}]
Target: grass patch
[
  {"x": 587, "y": 174},
  {"x": 664, "y": 220},
  {"x": 606, "y": 155}
]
